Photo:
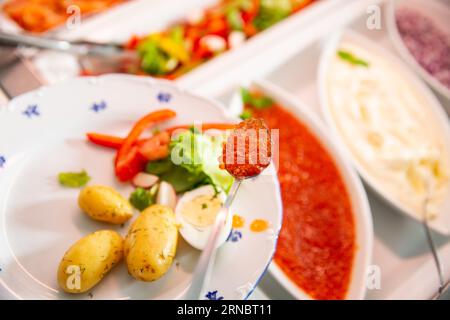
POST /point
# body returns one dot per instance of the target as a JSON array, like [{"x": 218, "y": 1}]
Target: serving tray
[{"x": 288, "y": 55}]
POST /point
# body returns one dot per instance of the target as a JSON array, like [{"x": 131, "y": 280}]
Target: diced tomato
[
  {"x": 218, "y": 26},
  {"x": 252, "y": 12},
  {"x": 132, "y": 42},
  {"x": 156, "y": 147},
  {"x": 250, "y": 30},
  {"x": 202, "y": 52},
  {"x": 193, "y": 34}
]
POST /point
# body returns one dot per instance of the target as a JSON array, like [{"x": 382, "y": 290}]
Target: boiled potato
[
  {"x": 151, "y": 243},
  {"x": 89, "y": 260},
  {"x": 105, "y": 204}
]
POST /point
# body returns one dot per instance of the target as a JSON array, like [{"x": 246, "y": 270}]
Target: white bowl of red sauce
[
  {"x": 325, "y": 245},
  {"x": 419, "y": 31}
]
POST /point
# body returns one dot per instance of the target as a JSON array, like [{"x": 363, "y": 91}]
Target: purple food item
[{"x": 429, "y": 45}]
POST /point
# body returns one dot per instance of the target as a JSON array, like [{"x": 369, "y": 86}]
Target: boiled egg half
[{"x": 196, "y": 212}]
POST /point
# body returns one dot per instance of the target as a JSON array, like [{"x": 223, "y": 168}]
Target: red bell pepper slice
[
  {"x": 114, "y": 142},
  {"x": 105, "y": 140},
  {"x": 129, "y": 164},
  {"x": 128, "y": 160}
]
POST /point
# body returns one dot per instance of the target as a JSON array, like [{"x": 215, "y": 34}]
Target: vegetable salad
[{"x": 206, "y": 34}]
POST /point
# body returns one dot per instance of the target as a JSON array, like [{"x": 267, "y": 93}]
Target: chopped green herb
[
  {"x": 347, "y": 56},
  {"x": 257, "y": 102},
  {"x": 204, "y": 206},
  {"x": 73, "y": 179},
  {"x": 141, "y": 199},
  {"x": 246, "y": 114}
]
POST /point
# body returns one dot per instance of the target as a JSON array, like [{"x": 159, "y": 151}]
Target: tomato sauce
[{"x": 316, "y": 245}]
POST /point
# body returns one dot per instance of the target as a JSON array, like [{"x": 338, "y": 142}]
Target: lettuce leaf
[
  {"x": 73, "y": 179},
  {"x": 193, "y": 161},
  {"x": 199, "y": 154}
]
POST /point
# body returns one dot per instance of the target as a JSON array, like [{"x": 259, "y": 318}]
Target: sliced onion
[
  {"x": 214, "y": 43},
  {"x": 144, "y": 180},
  {"x": 166, "y": 195}
]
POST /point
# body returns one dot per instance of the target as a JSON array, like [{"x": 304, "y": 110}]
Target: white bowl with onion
[
  {"x": 437, "y": 12},
  {"x": 419, "y": 108}
]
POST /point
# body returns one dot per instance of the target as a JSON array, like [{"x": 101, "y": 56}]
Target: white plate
[
  {"x": 436, "y": 11},
  {"x": 43, "y": 134},
  {"x": 442, "y": 222},
  {"x": 360, "y": 205}
]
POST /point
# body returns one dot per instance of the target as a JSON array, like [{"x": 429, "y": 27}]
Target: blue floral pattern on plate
[
  {"x": 32, "y": 111},
  {"x": 97, "y": 107},
  {"x": 213, "y": 295},
  {"x": 2, "y": 161},
  {"x": 234, "y": 236},
  {"x": 164, "y": 97}
]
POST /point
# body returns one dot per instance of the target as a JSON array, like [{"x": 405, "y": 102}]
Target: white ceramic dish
[
  {"x": 442, "y": 222},
  {"x": 114, "y": 25},
  {"x": 43, "y": 134},
  {"x": 360, "y": 205},
  {"x": 436, "y": 11}
]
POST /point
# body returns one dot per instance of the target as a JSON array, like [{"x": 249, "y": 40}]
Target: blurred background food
[{"x": 38, "y": 16}]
